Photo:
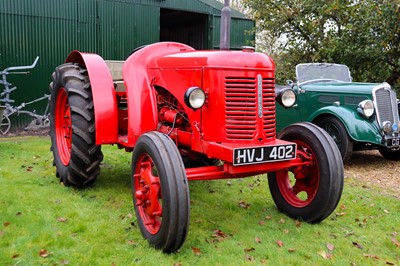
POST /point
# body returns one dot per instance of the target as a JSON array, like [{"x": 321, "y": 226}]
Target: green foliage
[
  {"x": 365, "y": 35},
  {"x": 233, "y": 222}
]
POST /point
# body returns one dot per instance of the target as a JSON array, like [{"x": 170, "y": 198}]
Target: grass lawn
[{"x": 233, "y": 222}]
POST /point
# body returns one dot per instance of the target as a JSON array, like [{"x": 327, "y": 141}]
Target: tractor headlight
[
  {"x": 195, "y": 98},
  {"x": 286, "y": 98},
  {"x": 366, "y": 108}
]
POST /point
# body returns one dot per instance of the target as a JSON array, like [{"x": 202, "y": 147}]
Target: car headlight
[
  {"x": 195, "y": 98},
  {"x": 286, "y": 97},
  {"x": 366, "y": 108},
  {"x": 386, "y": 126}
]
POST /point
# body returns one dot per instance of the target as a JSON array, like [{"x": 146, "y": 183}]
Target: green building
[{"x": 51, "y": 29}]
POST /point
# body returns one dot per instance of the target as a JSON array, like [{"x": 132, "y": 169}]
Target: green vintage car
[{"x": 357, "y": 115}]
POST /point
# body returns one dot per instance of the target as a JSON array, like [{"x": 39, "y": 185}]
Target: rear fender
[
  {"x": 359, "y": 128},
  {"x": 104, "y": 99}
]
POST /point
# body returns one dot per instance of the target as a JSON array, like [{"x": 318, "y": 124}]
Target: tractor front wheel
[
  {"x": 311, "y": 191},
  {"x": 160, "y": 191},
  {"x": 72, "y": 127}
]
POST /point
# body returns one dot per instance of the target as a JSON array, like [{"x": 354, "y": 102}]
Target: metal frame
[{"x": 9, "y": 109}]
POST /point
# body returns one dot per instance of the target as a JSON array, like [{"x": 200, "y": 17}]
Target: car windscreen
[{"x": 322, "y": 71}]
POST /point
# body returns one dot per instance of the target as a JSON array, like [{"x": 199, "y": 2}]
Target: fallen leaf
[
  {"x": 218, "y": 236},
  {"x": 330, "y": 247},
  {"x": 247, "y": 250},
  {"x": 249, "y": 258},
  {"x": 396, "y": 242},
  {"x": 178, "y": 264},
  {"x": 282, "y": 221},
  {"x": 349, "y": 234},
  {"x": 131, "y": 242},
  {"x": 243, "y": 205},
  {"x": 291, "y": 250},
  {"x": 358, "y": 245},
  {"x": 340, "y": 213},
  {"x": 371, "y": 256},
  {"x": 44, "y": 253},
  {"x": 64, "y": 262},
  {"x": 279, "y": 243},
  {"x": 324, "y": 254},
  {"x": 196, "y": 251},
  {"x": 343, "y": 207},
  {"x": 219, "y": 233},
  {"x": 62, "y": 219},
  {"x": 297, "y": 223},
  {"x": 286, "y": 231},
  {"x": 18, "y": 213},
  {"x": 268, "y": 217},
  {"x": 258, "y": 240},
  {"x": 394, "y": 234},
  {"x": 261, "y": 222},
  {"x": 6, "y": 224},
  {"x": 15, "y": 256},
  {"x": 386, "y": 211}
]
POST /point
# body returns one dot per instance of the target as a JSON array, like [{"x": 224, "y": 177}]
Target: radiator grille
[
  {"x": 384, "y": 106},
  {"x": 241, "y": 108},
  {"x": 269, "y": 107}
]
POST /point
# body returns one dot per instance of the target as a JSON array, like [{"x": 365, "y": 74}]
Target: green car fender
[{"x": 358, "y": 127}]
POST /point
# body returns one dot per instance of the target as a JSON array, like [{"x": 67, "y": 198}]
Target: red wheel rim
[
  {"x": 148, "y": 194},
  {"x": 299, "y": 185},
  {"x": 63, "y": 126}
]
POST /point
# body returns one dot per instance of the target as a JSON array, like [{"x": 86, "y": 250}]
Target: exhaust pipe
[{"x": 225, "y": 38}]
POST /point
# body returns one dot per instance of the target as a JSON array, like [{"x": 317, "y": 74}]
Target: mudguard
[
  {"x": 104, "y": 99},
  {"x": 142, "y": 101},
  {"x": 359, "y": 128}
]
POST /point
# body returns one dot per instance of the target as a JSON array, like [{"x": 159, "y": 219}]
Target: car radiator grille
[
  {"x": 241, "y": 108},
  {"x": 386, "y": 108}
]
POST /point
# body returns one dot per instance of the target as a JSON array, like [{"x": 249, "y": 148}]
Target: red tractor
[{"x": 188, "y": 115}]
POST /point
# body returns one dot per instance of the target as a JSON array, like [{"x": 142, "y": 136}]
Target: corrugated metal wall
[{"x": 52, "y": 28}]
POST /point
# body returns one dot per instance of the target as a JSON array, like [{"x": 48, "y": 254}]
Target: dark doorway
[{"x": 185, "y": 27}]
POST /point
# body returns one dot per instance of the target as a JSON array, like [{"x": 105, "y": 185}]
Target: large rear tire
[
  {"x": 72, "y": 127},
  {"x": 309, "y": 192},
  {"x": 160, "y": 191}
]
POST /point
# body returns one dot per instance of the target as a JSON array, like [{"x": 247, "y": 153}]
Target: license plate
[
  {"x": 255, "y": 155},
  {"x": 393, "y": 142}
]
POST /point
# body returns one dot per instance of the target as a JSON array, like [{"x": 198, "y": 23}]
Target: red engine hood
[{"x": 213, "y": 59}]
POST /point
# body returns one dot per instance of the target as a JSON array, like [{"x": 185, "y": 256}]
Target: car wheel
[
  {"x": 160, "y": 191},
  {"x": 390, "y": 154},
  {"x": 311, "y": 191},
  {"x": 72, "y": 127},
  {"x": 338, "y": 132}
]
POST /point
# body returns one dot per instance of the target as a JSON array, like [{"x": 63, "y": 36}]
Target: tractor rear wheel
[
  {"x": 311, "y": 191},
  {"x": 72, "y": 127},
  {"x": 160, "y": 191}
]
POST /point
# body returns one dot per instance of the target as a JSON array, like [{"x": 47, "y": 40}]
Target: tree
[{"x": 363, "y": 34}]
